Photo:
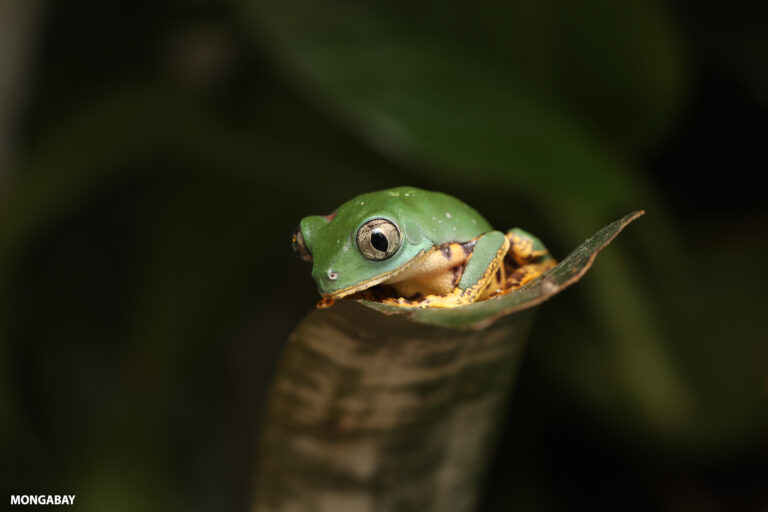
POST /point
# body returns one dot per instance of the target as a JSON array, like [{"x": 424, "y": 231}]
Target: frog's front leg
[{"x": 483, "y": 264}]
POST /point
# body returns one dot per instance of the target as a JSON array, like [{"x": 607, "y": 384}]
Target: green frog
[{"x": 415, "y": 248}]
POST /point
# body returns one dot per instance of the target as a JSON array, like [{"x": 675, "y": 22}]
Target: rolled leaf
[{"x": 377, "y": 408}]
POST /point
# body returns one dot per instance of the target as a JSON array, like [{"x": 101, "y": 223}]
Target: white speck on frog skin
[
  {"x": 454, "y": 228},
  {"x": 448, "y": 215},
  {"x": 474, "y": 221},
  {"x": 439, "y": 222},
  {"x": 362, "y": 203}
]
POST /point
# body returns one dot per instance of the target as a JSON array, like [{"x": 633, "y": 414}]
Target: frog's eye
[
  {"x": 378, "y": 239},
  {"x": 299, "y": 246}
]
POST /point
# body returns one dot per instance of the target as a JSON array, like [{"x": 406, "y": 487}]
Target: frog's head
[{"x": 366, "y": 241}]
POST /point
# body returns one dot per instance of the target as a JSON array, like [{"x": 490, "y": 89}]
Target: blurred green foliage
[{"x": 167, "y": 151}]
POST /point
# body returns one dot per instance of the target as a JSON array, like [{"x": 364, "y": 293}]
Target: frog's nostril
[{"x": 332, "y": 275}]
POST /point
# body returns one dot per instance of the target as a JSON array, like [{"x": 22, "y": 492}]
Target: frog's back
[{"x": 424, "y": 214}]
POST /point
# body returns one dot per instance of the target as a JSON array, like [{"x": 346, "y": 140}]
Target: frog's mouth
[{"x": 359, "y": 287}]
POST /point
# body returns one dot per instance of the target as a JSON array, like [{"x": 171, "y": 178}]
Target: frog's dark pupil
[{"x": 379, "y": 241}]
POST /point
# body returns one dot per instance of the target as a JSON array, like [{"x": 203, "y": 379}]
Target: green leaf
[{"x": 390, "y": 63}]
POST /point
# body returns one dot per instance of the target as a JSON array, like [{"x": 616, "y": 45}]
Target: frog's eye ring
[
  {"x": 378, "y": 239},
  {"x": 299, "y": 246}
]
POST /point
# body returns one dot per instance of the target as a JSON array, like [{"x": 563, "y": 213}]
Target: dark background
[{"x": 156, "y": 156}]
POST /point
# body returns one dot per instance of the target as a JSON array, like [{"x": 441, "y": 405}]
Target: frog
[{"x": 409, "y": 247}]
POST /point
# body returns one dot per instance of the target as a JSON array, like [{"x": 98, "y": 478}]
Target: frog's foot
[
  {"x": 325, "y": 303},
  {"x": 526, "y": 260},
  {"x": 524, "y": 248},
  {"x": 520, "y": 276}
]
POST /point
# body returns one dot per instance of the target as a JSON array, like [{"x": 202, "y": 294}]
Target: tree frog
[{"x": 415, "y": 248}]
